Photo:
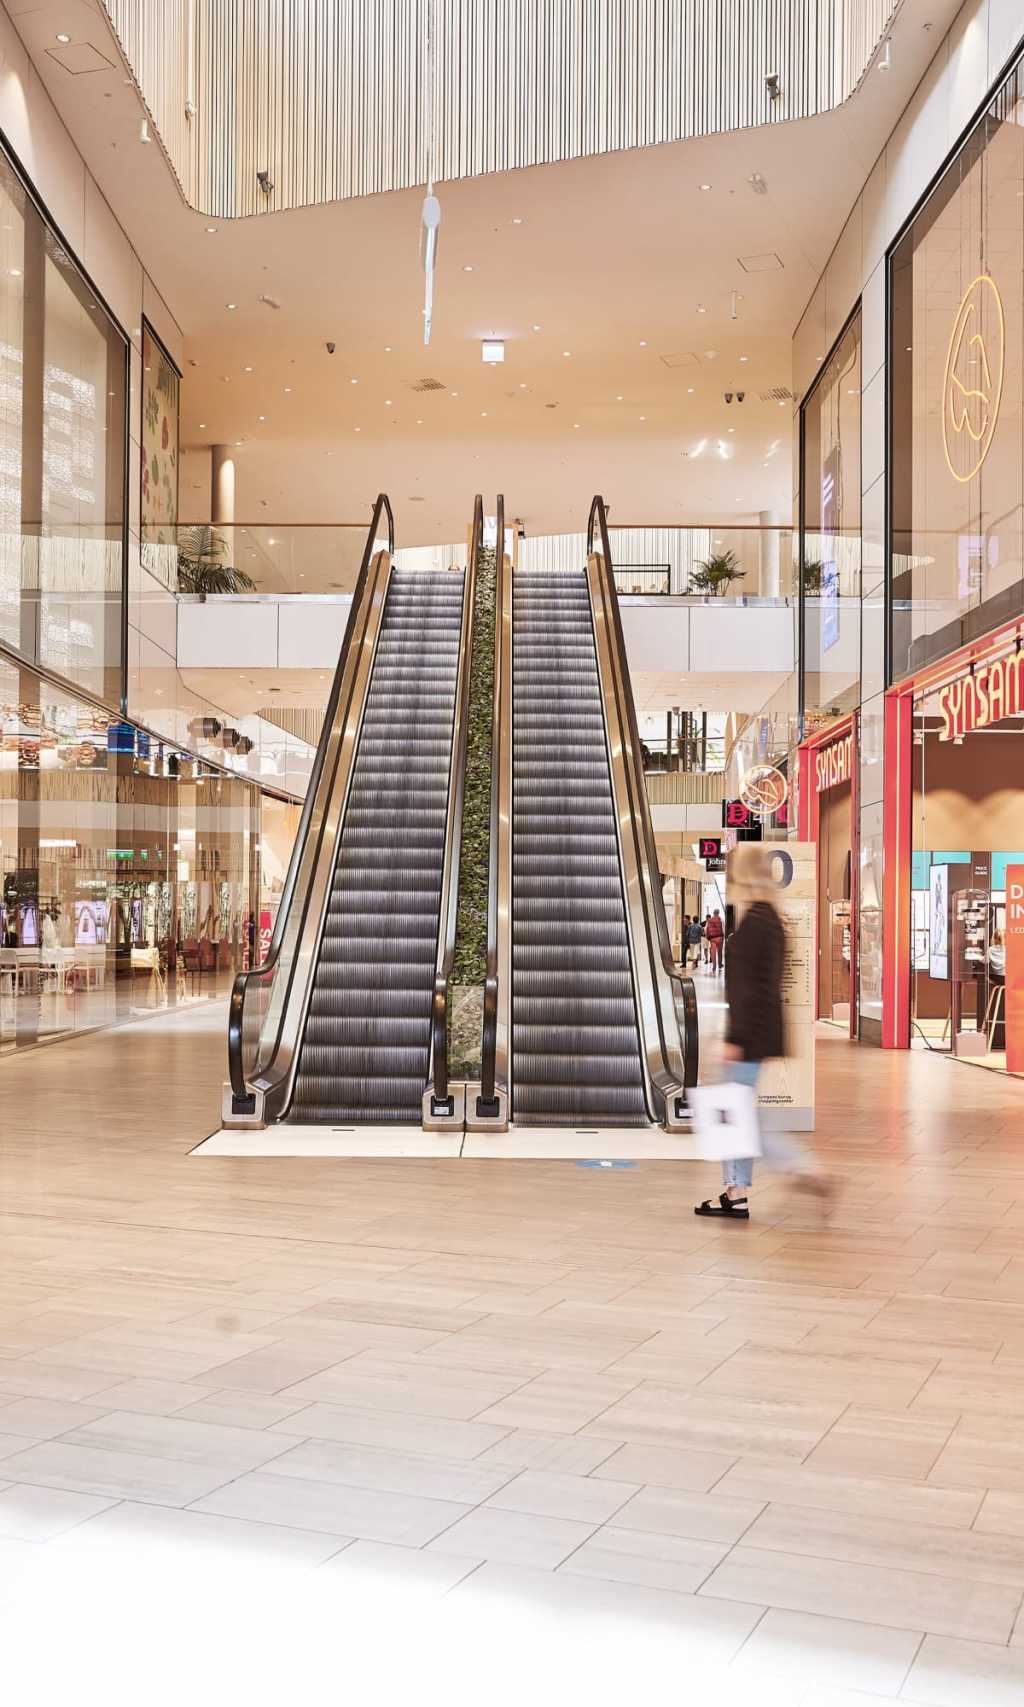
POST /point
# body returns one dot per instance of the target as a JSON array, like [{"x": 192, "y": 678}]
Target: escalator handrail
[
  {"x": 242, "y": 981},
  {"x": 500, "y": 735},
  {"x": 453, "y": 828},
  {"x": 654, "y": 909}
]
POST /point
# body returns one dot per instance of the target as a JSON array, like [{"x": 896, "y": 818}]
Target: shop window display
[
  {"x": 957, "y": 429},
  {"x": 967, "y": 831},
  {"x": 830, "y": 510},
  {"x": 129, "y": 875}
]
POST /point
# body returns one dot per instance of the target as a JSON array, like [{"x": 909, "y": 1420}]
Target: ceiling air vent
[
  {"x": 778, "y": 394},
  {"x": 683, "y": 358},
  {"x": 429, "y": 385}
]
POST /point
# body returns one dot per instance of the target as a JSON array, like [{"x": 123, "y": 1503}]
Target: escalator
[
  {"x": 336, "y": 1026},
  {"x": 575, "y": 1041},
  {"x": 587, "y": 1020}
]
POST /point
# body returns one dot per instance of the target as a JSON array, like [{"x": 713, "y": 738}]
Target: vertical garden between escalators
[{"x": 469, "y": 968}]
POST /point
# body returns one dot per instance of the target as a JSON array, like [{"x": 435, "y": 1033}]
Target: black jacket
[{"x": 753, "y": 983}]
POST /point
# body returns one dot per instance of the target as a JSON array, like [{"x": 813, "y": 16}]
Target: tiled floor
[{"x": 317, "y": 1429}]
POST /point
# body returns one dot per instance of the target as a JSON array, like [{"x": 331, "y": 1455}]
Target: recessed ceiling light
[
  {"x": 701, "y": 309},
  {"x": 744, "y": 358},
  {"x": 248, "y": 370},
  {"x": 202, "y": 426},
  {"x": 419, "y": 423},
  {"x": 689, "y": 390},
  {"x": 536, "y": 328},
  {"x": 211, "y": 229},
  {"x": 467, "y": 269},
  {"x": 15, "y": 272},
  {"x": 705, "y": 186},
  {"x": 387, "y": 403},
  {"x": 517, "y": 220},
  {"x": 732, "y": 429},
  {"x": 287, "y": 388},
  {"x": 643, "y": 343},
  {"x": 575, "y": 423},
  {"x": 353, "y": 382},
  {"x": 643, "y": 417},
  {"x": 492, "y": 350},
  {"x": 522, "y": 385},
  {"x": 483, "y": 414},
  {"x": 232, "y": 305},
  {"x": 355, "y": 430},
  {"x": 238, "y": 444},
  {"x": 618, "y": 399},
  {"x": 61, "y": 37},
  {"x": 387, "y": 349},
  {"x": 263, "y": 417},
  {"x": 567, "y": 352},
  {"x": 271, "y": 541}
]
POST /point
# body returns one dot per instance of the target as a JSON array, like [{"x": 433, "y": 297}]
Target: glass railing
[{"x": 702, "y": 562}]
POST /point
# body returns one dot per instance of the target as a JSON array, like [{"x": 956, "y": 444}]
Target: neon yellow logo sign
[{"x": 973, "y": 383}]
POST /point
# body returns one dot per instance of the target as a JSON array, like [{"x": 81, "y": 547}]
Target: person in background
[
  {"x": 694, "y": 938},
  {"x": 755, "y": 1029},
  {"x": 705, "y": 945},
  {"x": 716, "y": 935}
]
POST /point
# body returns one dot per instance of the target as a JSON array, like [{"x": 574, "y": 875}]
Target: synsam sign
[{"x": 973, "y": 702}]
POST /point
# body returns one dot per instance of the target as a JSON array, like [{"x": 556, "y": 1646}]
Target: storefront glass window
[
  {"x": 62, "y": 445},
  {"x": 830, "y": 489},
  {"x": 957, "y": 287},
  {"x": 129, "y": 873}
]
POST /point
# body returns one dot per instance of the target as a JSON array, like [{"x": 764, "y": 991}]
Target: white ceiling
[{"x": 611, "y": 260}]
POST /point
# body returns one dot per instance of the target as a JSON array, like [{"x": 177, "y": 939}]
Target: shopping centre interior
[{"x": 501, "y": 511}]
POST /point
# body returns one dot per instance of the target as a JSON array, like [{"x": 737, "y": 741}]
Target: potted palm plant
[
  {"x": 715, "y": 575},
  {"x": 200, "y": 569},
  {"x": 812, "y": 576}
]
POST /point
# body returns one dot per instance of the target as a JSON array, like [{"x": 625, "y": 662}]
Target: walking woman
[{"x": 755, "y": 1029}]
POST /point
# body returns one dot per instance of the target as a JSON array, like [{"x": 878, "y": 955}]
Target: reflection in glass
[{"x": 830, "y": 493}]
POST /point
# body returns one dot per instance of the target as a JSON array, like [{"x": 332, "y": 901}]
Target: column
[
  {"x": 222, "y": 499},
  {"x": 771, "y": 583}
]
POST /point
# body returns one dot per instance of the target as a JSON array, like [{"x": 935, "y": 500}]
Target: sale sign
[{"x": 1015, "y": 968}]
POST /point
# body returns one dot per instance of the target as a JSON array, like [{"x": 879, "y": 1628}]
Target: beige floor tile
[
  {"x": 160, "y": 1398},
  {"x": 182, "y": 1539},
  {"x": 514, "y": 1538},
  {"x": 791, "y": 1375},
  {"x": 701, "y": 1517},
  {"x": 362, "y": 1513},
  {"x": 32, "y": 1381},
  {"x": 546, "y": 1493},
  {"x": 965, "y": 1674},
  {"x": 663, "y": 1416},
  {"x": 44, "y": 1419},
  {"x": 802, "y": 1648},
  {"x": 370, "y": 1383},
  {"x": 394, "y": 1431},
  {"x": 1002, "y": 1513},
  {"x": 273, "y": 1369},
  {"x": 992, "y": 1392},
  {"x": 798, "y": 1486},
  {"x": 121, "y": 1475},
  {"x": 692, "y": 1472},
  {"x": 240, "y": 1410},
  {"x": 186, "y": 1442},
  {"x": 558, "y": 1403},
  {"x": 572, "y": 1454},
  {"x": 363, "y": 1467},
  {"x": 651, "y": 1561},
  {"x": 417, "y": 1574},
  {"x": 894, "y": 1543},
  {"x": 695, "y": 1635},
  {"x": 872, "y": 1443},
  {"x": 904, "y": 1600},
  {"x": 982, "y": 1452},
  {"x": 39, "y": 1513}
]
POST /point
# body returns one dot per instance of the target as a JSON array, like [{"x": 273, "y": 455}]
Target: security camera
[
  {"x": 331, "y": 347},
  {"x": 265, "y": 181},
  {"x": 740, "y": 395},
  {"x": 771, "y": 83},
  {"x": 728, "y": 397}
]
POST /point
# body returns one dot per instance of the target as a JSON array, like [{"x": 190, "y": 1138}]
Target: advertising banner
[
  {"x": 1015, "y": 968},
  {"x": 786, "y": 1086}
]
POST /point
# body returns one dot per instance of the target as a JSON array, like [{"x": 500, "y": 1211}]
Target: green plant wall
[{"x": 470, "y": 964}]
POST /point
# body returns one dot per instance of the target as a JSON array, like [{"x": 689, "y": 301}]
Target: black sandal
[{"x": 727, "y": 1208}]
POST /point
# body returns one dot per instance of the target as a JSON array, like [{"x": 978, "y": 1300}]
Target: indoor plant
[
  {"x": 715, "y": 574},
  {"x": 200, "y": 569}
]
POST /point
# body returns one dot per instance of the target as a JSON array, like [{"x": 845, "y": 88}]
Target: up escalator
[
  {"x": 336, "y": 1026},
  {"x": 588, "y": 1021},
  {"x": 575, "y": 1042},
  {"x": 366, "y": 1046}
]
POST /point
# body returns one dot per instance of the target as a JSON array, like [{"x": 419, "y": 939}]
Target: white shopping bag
[{"x": 725, "y": 1122}]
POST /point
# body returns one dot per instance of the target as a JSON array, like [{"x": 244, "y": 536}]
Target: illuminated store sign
[
  {"x": 973, "y": 384},
  {"x": 973, "y": 702},
  {"x": 832, "y": 764},
  {"x": 764, "y": 789}
]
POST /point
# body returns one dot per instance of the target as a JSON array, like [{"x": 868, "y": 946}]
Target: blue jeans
[
  {"x": 741, "y": 1171},
  {"x": 781, "y": 1151}
]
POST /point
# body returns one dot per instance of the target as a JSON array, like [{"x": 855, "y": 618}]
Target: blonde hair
[{"x": 748, "y": 874}]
